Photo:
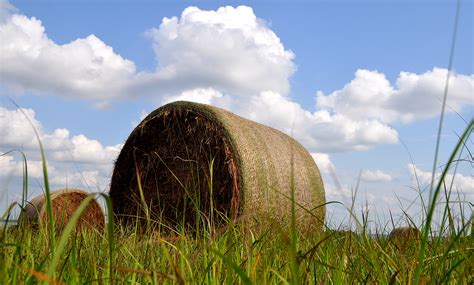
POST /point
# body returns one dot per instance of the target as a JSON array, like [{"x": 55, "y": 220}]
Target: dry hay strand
[
  {"x": 64, "y": 203},
  {"x": 172, "y": 151}
]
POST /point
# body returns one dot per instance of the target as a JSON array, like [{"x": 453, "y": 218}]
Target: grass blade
[
  {"x": 229, "y": 263},
  {"x": 432, "y": 205}
]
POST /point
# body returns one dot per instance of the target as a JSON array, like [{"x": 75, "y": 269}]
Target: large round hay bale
[
  {"x": 173, "y": 151},
  {"x": 64, "y": 203}
]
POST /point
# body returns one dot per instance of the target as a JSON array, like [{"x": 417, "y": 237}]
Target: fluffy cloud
[
  {"x": 462, "y": 183},
  {"x": 375, "y": 176},
  {"x": 17, "y": 133},
  {"x": 222, "y": 73},
  {"x": 84, "y": 67},
  {"x": 60, "y": 176},
  {"x": 199, "y": 95},
  {"x": 228, "y": 58},
  {"x": 82, "y": 149},
  {"x": 15, "y": 130},
  {"x": 323, "y": 162},
  {"x": 13, "y": 167},
  {"x": 229, "y": 49},
  {"x": 415, "y": 96},
  {"x": 92, "y": 180},
  {"x": 72, "y": 161}
]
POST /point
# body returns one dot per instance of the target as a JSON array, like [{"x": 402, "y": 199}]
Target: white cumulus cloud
[
  {"x": 84, "y": 67},
  {"x": 323, "y": 162},
  {"x": 461, "y": 183},
  {"x": 91, "y": 180},
  {"x": 413, "y": 97},
  {"x": 17, "y": 133},
  {"x": 228, "y": 58},
  {"x": 60, "y": 175},
  {"x": 228, "y": 49},
  {"x": 72, "y": 161},
  {"x": 11, "y": 166},
  {"x": 198, "y": 95},
  {"x": 375, "y": 176}
]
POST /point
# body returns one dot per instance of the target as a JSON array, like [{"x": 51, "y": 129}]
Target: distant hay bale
[
  {"x": 172, "y": 150},
  {"x": 404, "y": 237},
  {"x": 64, "y": 203}
]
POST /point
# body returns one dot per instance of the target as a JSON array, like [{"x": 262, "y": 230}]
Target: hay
[
  {"x": 172, "y": 149},
  {"x": 404, "y": 238},
  {"x": 404, "y": 233},
  {"x": 64, "y": 203}
]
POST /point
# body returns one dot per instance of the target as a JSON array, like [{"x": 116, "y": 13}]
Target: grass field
[
  {"x": 235, "y": 254},
  {"x": 442, "y": 253}
]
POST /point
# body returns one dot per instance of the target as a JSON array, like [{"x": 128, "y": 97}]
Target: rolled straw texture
[{"x": 173, "y": 150}]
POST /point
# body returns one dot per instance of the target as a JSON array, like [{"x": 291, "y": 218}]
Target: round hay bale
[
  {"x": 404, "y": 237},
  {"x": 173, "y": 151},
  {"x": 64, "y": 203}
]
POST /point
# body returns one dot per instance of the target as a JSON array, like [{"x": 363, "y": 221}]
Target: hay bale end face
[
  {"x": 198, "y": 162},
  {"x": 64, "y": 203}
]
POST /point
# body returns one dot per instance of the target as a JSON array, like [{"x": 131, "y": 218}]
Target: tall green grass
[
  {"x": 236, "y": 254},
  {"x": 330, "y": 257}
]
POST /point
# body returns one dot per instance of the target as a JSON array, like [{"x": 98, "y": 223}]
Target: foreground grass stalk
[
  {"x": 445, "y": 96},
  {"x": 211, "y": 195},
  {"x": 142, "y": 196},
  {"x": 24, "y": 194},
  {"x": 110, "y": 232},
  {"x": 432, "y": 205},
  {"x": 47, "y": 190},
  {"x": 234, "y": 256},
  {"x": 70, "y": 227}
]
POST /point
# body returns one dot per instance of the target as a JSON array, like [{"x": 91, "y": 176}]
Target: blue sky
[{"x": 354, "y": 78}]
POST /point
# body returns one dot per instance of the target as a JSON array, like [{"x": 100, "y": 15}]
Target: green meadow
[{"x": 442, "y": 253}]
